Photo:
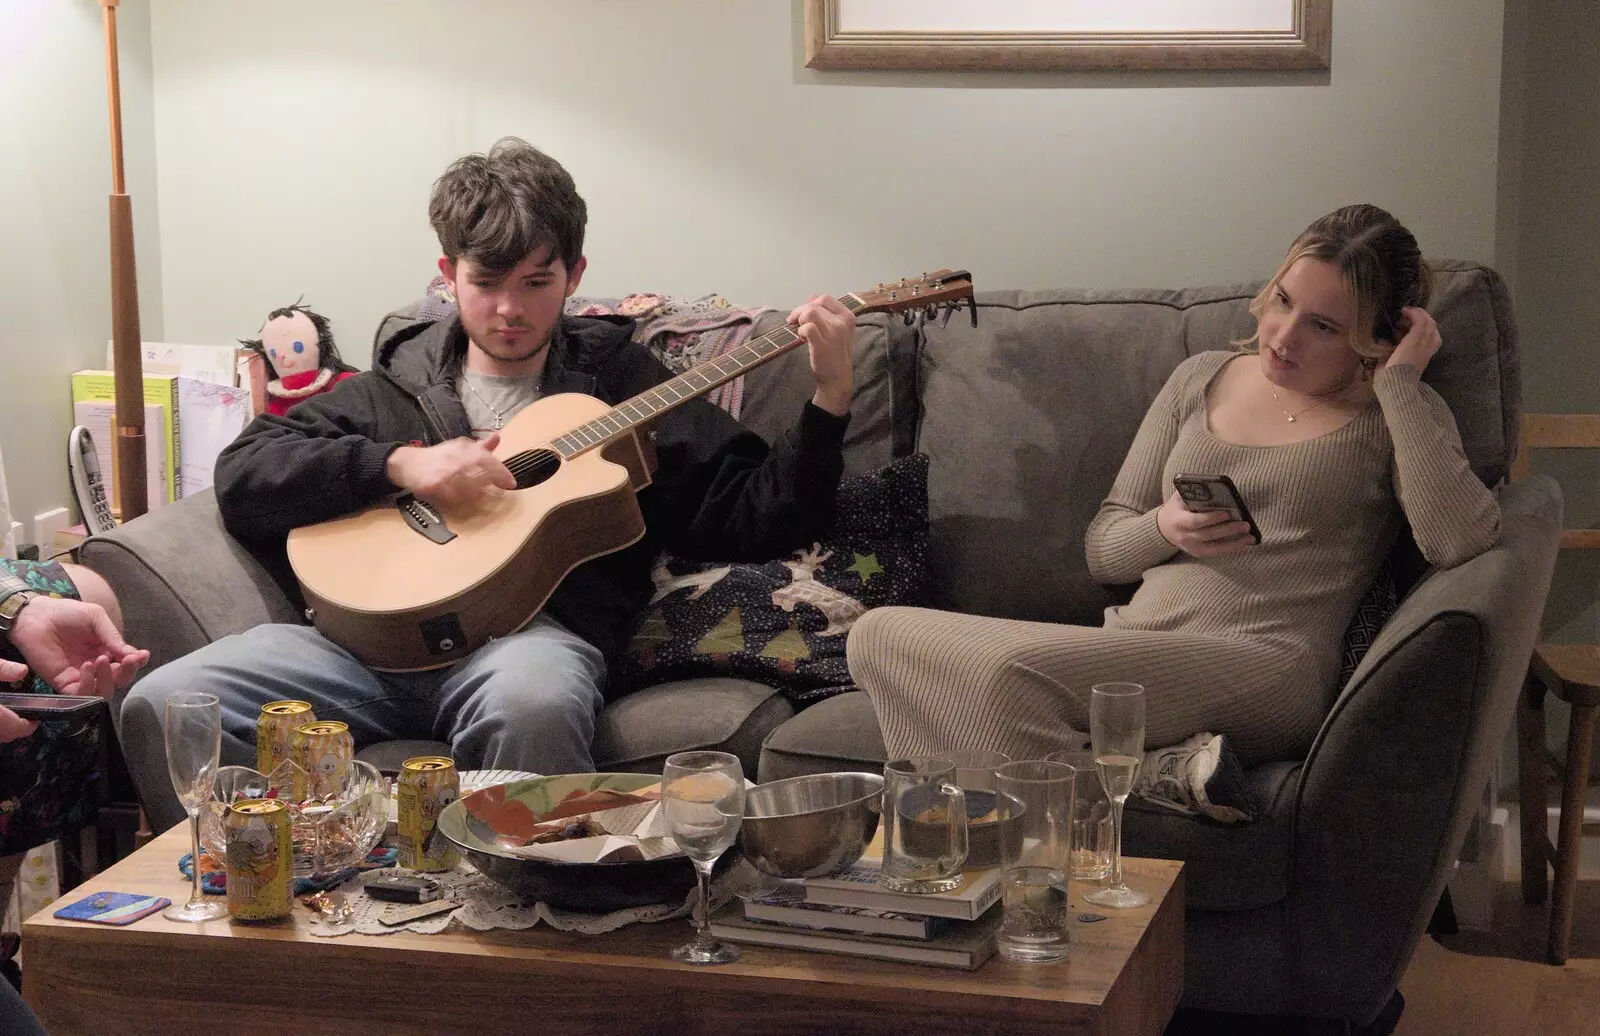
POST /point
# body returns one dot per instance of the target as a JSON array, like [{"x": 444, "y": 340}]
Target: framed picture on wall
[{"x": 969, "y": 35}]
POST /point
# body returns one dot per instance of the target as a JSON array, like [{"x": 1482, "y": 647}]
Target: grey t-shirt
[{"x": 493, "y": 399}]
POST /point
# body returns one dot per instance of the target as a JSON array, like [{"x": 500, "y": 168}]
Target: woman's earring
[{"x": 1368, "y": 365}]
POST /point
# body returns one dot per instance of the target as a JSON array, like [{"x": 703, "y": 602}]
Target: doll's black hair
[{"x": 327, "y": 353}]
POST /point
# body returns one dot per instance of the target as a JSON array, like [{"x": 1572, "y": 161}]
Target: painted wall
[
  {"x": 55, "y": 177},
  {"x": 1552, "y": 191},
  {"x": 298, "y": 140}
]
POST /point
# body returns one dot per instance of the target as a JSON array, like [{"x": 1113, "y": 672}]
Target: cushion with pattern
[
  {"x": 785, "y": 622},
  {"x": 1372, "y": 613}
]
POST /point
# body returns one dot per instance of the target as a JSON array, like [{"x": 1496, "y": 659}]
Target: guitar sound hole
[{"x": 532, "y": 467}]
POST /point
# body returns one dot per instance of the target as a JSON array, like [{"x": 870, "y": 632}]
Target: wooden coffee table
[{"x": 159, "y": 978}]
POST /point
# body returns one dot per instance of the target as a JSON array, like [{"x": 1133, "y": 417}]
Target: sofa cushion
[
  {"x": 1027, "y": 419},
  {"x": 188, "y": 581},
  {"x": 883, "y": 412},
  {"x": 786, "y": 622},
  {"x": 837, "y": 735},
  {"x": 635, "y": 734}
]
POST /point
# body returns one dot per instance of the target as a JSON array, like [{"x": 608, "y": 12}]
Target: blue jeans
[
  {"x": 524, "y": 702},
  {"x": 15, "y": 1018}
]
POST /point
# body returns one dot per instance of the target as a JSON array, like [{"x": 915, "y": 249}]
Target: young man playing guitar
[{"x": 425, "y": 420}]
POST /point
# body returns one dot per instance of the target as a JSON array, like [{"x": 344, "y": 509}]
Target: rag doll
[{"x": 298, "y": 345}]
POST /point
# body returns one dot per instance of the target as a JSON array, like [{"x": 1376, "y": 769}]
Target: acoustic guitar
[{"x": 404, "y": 585}]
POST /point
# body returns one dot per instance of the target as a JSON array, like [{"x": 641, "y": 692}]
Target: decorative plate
[{"x": 474, "y": 822}]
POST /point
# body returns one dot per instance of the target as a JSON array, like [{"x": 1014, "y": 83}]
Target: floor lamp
[{"x": 128, "y": 369}]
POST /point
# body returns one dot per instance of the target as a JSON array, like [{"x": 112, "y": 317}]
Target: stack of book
[
  {"x": 197, "y": 399},
  {"x": 851, "y": 913}
]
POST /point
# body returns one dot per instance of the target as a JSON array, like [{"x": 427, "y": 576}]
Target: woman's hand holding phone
[{"x": 1201, "y": 534}]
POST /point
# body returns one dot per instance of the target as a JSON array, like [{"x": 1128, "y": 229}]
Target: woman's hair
[
  {"x": 1382, "y": 267},
  {"x": 496, "y": 209}
]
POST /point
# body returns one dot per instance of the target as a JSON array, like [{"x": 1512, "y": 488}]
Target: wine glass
[
  {"x": 703, "y": 796},
  {"x": 194, "y": 740},
  {"x": 1116, "y": 726}
]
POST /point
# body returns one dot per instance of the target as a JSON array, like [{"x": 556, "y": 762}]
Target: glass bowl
[{"x": 329, "y": 834}]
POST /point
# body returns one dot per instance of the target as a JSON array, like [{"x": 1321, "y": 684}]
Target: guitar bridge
[{"x": 423, "y": 518}]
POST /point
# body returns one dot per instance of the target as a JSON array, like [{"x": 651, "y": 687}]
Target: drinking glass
[
  {"x": 702, "y": 794},
  {"x": 1091, "y": 817},
  {"x": 924, "y": 822},
  {"x": 1035, "y": 806},
  {"x": 1116, "y": 727},
  {"x": 193, "y": 734}
]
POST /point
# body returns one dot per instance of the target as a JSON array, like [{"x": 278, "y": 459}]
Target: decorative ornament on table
[{"x": 298, "y": 344}]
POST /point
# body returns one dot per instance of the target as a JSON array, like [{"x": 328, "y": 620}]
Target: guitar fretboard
[{"x": 696, "y": 381}]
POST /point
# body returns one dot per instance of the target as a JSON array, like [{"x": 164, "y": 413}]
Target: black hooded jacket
[{"x": 719, "y": 492}]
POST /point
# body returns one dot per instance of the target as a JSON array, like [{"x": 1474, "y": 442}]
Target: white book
[
  {"x": 787, "y": 905},
  {"x": 214, "y": 363},
  {"x": 211, "y": 417},
  {"x": 858, "y": 886},
  {"x": 99, "y": 417},
  {"x": 960, "y": 945}
]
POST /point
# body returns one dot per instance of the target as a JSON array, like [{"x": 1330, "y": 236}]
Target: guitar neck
[{"x": 697, "y": 381}]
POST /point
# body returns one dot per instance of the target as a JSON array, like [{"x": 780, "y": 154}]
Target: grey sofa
[{"x": 1314, "y": 909}]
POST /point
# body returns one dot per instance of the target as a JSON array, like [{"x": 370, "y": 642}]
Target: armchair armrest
[
  {"x": 1391, "y": 782},
  {"x": 183, "y": 581}
]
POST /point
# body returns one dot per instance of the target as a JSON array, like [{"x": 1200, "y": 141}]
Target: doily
[{"x": 486, "y": 906}]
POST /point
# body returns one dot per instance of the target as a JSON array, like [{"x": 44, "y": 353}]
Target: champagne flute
[
  {"x": 702, "y": 794},
  {"x": 193, "y": 733},
  {"x": 1116, "y": 726}
]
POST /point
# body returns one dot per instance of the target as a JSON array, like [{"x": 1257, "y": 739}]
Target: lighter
[{"x": 400, "y": 888}]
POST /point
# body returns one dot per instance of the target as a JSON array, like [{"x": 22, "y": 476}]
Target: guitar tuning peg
[
  {"x": 930, "y": 312},
  {"x": 944, "y": 314},
  {"x": 909, "y": 316}
]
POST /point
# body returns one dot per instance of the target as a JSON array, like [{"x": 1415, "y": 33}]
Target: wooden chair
[{"x": 1571, "y": 672}]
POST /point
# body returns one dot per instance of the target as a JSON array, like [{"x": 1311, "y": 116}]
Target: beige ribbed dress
[{"x": 1248, "y": 644}]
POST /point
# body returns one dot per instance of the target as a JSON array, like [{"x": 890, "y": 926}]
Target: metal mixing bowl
[{"x": 805, "y": 827}]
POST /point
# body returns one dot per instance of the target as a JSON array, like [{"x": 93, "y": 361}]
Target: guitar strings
[{"x": 682, "y": 386}]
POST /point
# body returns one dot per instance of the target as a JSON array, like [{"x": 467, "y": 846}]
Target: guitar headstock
[{"x": 944, "y": 290}]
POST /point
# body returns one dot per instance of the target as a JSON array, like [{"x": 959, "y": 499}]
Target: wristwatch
[{"x": 14, "y": 596}]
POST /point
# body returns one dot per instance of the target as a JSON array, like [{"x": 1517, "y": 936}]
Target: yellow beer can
[
  {"x": 259, "y": 859},
  {"x": 275, "y": 731},
  {"x": 323, "y": 750},
  {"x": 428, "y": 784}
]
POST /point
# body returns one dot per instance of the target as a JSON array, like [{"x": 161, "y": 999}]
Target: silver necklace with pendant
[{"x": 499, "y": 418}]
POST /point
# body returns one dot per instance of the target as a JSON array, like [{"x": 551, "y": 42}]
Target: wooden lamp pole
[{"x": 132, "y": 483}]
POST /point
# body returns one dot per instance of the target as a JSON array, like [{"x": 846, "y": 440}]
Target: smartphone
[
  {"x": 51, "y": 706},
  {"x": 1215, "y": 493}
]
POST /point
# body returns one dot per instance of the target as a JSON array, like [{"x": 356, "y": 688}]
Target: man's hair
[{"x": 497, "y": 209}]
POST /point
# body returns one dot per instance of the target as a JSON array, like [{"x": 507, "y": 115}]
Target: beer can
[
  {"x": 275, "y": 731},
  {"x": 259, "y": 859},
  {"x": 323, "y": 750},
  {"x": 428, "y": 784}
]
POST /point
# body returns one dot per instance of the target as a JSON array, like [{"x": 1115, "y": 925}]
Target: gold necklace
[{"x": 1304, "y": 410}]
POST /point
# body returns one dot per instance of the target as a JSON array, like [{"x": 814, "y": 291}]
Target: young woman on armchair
[{"x": 1334, "y": 443}]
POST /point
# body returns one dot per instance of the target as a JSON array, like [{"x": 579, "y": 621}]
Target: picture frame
[{"x": 1013, "y": 35}]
